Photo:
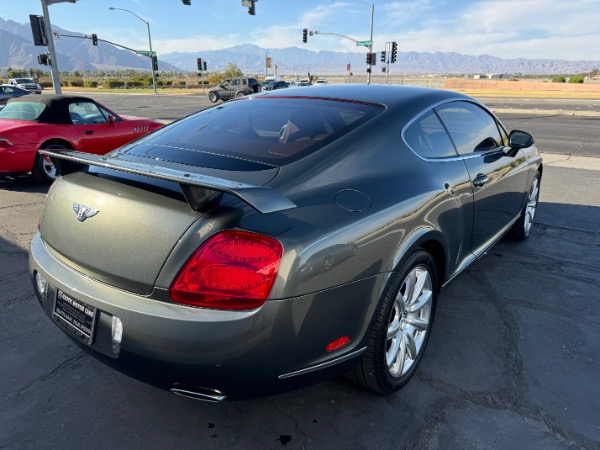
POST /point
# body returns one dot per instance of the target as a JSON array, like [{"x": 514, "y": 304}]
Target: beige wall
[{"x": 462, "y": 83}]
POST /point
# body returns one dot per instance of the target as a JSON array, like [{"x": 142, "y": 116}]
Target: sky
[{"x": 533, "y": 29}]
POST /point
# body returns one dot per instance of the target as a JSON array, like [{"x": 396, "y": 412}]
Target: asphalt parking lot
[{"x": 513, "y": 360}]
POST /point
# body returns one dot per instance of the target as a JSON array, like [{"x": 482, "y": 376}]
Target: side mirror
[
  {"x": 111, "y": 121},
  {"x": 520, "y": 139}
]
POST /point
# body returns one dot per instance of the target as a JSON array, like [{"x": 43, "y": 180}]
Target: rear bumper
[
  {"x": 278, "y": 347},
  {"x": 17, "y": 159}
]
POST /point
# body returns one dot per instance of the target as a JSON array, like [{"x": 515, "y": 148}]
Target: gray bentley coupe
[{"x": 281, "y": 238}]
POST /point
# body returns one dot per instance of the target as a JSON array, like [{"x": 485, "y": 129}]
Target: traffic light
[
  {"x": 371, "y": 59},
  {"x": 383, "y": 56},
  {"x": 43, "y": 59},
  {"x": 204, "y": 65},
  {"x": 94, "y": 39},
  {"x": 368, "y": 58},
  {"x": 155, "y": 63},
  {"x": 199, "y": 63},
  {"x": 394, "y": 51},
  {"x": 251, "y": 6},
  {"x": 38, "y": 29},
  {"x": 305, "y": 35}
]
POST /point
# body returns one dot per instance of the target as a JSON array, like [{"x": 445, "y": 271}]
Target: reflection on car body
[
  {"x": 283, "y": 238},
  {"x": 31, "y": 123}
]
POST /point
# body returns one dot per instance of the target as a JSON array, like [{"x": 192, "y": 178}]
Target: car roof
[
  {"x": 57, "y": 107},
  {"x": 411, "y": 98}
]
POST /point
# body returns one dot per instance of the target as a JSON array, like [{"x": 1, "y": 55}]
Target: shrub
[
  {"x": 112, "y": 83},
  {"x": 168, "y": 82},
  {"x": 90, "y": 83},
  {"x": 134, "y": 83},
  {"x": 76, "y": 82},
  {"x": 181, "y": 83},
  {"x": 576, "y": 79},
  {"x": 559, "y": 79}
]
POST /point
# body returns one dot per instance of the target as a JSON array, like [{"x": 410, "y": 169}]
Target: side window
[
  {"x": 245, "y": 82},
  {"x": 235, "y": 82},
  {"x": 86, "y": 113},
  {"x": 428, "y": 138},
  {"x": 472, "y": 128}
]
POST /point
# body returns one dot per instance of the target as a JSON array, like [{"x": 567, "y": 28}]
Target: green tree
[{"x": 232, "y": 71}]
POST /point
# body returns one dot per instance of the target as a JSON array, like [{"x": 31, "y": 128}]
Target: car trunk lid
[{"x": 120, "y": 233}]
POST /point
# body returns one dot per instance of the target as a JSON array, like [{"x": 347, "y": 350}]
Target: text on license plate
[{"x": 76, "y": 316}]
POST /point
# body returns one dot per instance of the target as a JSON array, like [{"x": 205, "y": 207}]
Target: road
[
  {"x": 513, "y": 359},
  {"x": 559, "y": 132}
]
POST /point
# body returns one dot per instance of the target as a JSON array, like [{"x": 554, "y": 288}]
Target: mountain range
[{"x": 78, "y": 53}]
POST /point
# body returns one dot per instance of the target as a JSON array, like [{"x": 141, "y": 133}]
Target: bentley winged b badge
[{"x": 83, "y": 212}]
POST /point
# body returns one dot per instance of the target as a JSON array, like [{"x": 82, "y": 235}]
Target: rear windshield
[
  {"x": 22, "y": 110},
  {"x": 272, "y": 131}
]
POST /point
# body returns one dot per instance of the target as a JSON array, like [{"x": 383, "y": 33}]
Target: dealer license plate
[{"x": 76, "y": 316}]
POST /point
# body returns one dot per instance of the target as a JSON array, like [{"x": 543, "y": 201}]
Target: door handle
[
  {"x": 88, "y": 132},
  {"x": 481, "y": 180}
]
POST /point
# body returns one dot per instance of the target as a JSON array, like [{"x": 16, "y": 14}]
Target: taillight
[{"x": 231, "y": 270}]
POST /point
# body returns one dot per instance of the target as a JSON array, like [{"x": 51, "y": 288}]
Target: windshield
[
  {"x": 23, "y": 80},
  {"x": 271, "y": 131},
  {"x": 22, "y": 110}
]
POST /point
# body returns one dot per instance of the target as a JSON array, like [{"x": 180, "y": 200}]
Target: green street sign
[
  {"x": 364, "y": 43},
  {"x": 145, "y": 53}
]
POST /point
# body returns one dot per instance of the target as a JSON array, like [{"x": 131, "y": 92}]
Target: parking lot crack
[
  {"x": 47, "y": 376},
  {"x": 297, "y": 426}
]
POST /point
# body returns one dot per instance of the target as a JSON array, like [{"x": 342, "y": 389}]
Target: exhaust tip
[{"x": 199, "y": 393}]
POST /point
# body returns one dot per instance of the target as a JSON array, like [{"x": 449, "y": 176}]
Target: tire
[
  {"x": 402, "y": 326},
  {"x": 213, "y": 97},
  {"x": 43, "y": 168},
  {"x": 521, "y": 229},
  {"x": 239, "y": 94}
]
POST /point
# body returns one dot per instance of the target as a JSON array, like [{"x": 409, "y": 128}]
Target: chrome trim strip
[
  {"x": 481, "y": 251},
  {"x": 202, "y": 394},
  {"x": 263, "y": 199},
  {"x": 323, "y": 365}
]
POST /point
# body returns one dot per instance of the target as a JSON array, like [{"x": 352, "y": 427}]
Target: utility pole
[{"x": 50, "y": 39}]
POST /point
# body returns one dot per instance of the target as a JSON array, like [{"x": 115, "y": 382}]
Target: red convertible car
[{"x": 31, "y": 123}]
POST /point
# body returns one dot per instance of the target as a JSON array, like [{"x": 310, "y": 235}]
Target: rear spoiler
[{"x": 263, "y": 199}]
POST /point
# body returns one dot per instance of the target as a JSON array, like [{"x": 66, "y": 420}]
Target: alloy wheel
[{"x": 409, "y": 321}]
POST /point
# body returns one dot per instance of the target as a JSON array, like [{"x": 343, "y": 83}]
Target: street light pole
[
  {"x": 372, "y": 6},
  {"x": 51, "y": 49},
  {"x": 267, "y": 64},
  {"x": 371, "y": 46},
  {"x": 149, "y": 43}
]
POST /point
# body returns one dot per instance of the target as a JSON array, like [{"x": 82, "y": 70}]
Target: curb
[{"x": 546, "y": 112}]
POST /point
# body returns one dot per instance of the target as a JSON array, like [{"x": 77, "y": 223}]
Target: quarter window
[
  {"x": 428, "y": 138},
  {"x": 472, "y": 128}
]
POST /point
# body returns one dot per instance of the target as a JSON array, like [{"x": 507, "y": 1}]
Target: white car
[
  {"x": 321, "y": 81},
  {"x": 26, "y": 83}
]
